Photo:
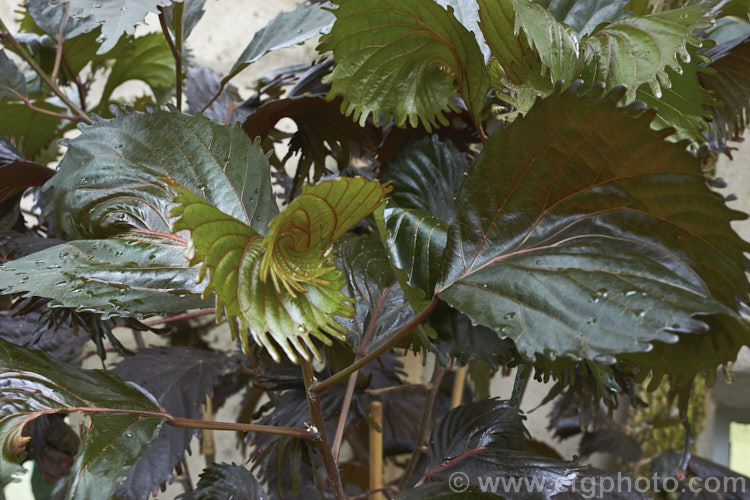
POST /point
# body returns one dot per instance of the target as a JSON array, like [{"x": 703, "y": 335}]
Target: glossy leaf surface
[
  {"x": 400, "y": 58},
  {"x": 570, "y": 250},
  {"x": 221, "y": 481},
  {"x": 117, "y": 175},
  {"x": 381, "y": 308},
  {"x": 148, "y": 60},
  {"x": 285, "y": 30},
  {"x": 179, "y": 378},
  {"x": 12, "y": 81},
  {"x": 35, "y": 384},
  {"x": 116, "y": 17},
  {"x": 584, "y": 16},
  {"x": 113, "y": 277}
]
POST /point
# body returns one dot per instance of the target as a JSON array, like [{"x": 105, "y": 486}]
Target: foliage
[{"x": 494, "y": 185}]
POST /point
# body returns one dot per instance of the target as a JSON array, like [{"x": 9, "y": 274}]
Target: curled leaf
[
  {"x": 300, "y": 238},
  {"x": 295, "y": 253}
]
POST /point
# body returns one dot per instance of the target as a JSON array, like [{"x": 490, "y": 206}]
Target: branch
[
  {"x": 339, "y": 435},
  {"x": 60, "y": 40},
  {"x": 21, "y": 51},
  {"x": 402, "y": 387},
  {"x": 424, "y": 425},
  {"x": 188, "y": 423},
  {"x": 216, "y": 96},
  {"x": 188, "y": 315},
  {"x": 519, "y": 386},
  {"x": 349, "y": 394},
  {"x": 316, "y": 414},
  {"x": 175, "y": 48},
  {"x": 334, "y": 379},
  {"x": 37, "y": 109}
]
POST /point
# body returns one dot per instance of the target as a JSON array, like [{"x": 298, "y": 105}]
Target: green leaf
[
  {"x": 35, "y": 384},
  {"x": 530, "y": 45},
  {"x": 639, "y": 7},
  {"x": 12, "y": 81},
  {"x": 426, "y": 175},
  {"x": 38, "y": 130},
  {"x": 221, "y": 481},
  {"x": 285, "y": 30},
  {"x": 683, "y": 105},
  {"x": 401, "y": 58},
  {"x": 736, "y": 8},
  {"x": 512, "y": 52},
  {"x": 415, "y": 244},
  {"x": 149, "y": 59},
  {"x": 581, "y": 233},
  {"x": 79, "y": 51},
  {"x": 584, "y": 16},
  {"x": 556, "y": 43},
  {"x": 381, "y": 308},
  {"x": 467, "y": 13},
  {"x": 115, "y": 17},
  {"x": 114, "y": 277},
  {"x": 638, "y": 50},
  {"x": 117, "y": 175},
  {"x": 246, "y": 270},
  {"x": 300, "y": 237}
]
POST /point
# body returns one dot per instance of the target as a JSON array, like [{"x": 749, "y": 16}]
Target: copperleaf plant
[{"x": 516, "y": 185}]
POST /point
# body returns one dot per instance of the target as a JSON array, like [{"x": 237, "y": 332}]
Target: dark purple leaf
[{"x": 180, "y": 378}]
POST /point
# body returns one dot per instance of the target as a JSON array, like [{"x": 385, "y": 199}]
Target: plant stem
[
  {"x": 519, "y": 387},
  {"x": 60, "y": 40},
  {"x": 176, "y": 49},
  {"x": 36, "y": 109},
  {"x": 424, "y": 425},
  {"x": 316, "y": 414},
  {"x": 348, "y": 395},
  {"x": 138, "y": 338},
  {"x": 21, "y": 51},
  {"x": 216, "y": 96},
  {"x": 187, "y": 482},
  {"x": 334, "y": 379},
  {"x": 188, "y": 315},
  {"x": 188, "y": 423},
  {"x": 403, "y": 387}
]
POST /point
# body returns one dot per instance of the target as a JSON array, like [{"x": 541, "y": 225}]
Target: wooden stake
[
  {"x": 376, "y": 450},
  {"x": 208, "y": 445},
  {"x": 459, "y": 382}
]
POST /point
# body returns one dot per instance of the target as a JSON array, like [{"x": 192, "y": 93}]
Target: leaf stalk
[
  {"x": 21, "y": 51},
  {"x": 175, "y": 46},
  {"x": 316, "y": 414},
  {"x": 337, "y": 377}
]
